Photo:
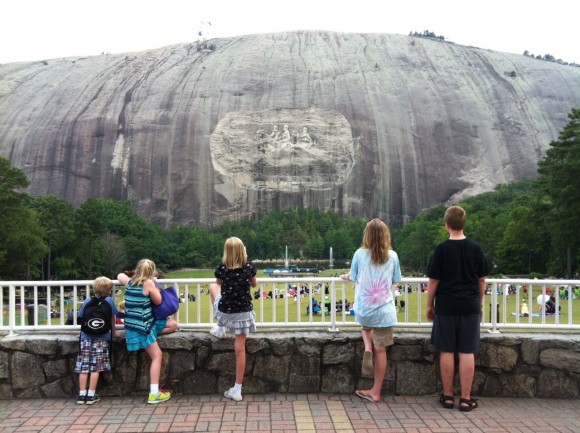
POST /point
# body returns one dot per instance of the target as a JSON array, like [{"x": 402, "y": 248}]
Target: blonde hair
[
  {"x": 144, "y": 271},
  {"x": 235, "y": 255},
  {"x": 102, "y": 286},
  {"x": 377, "y": 239},
  {"x": 455, "y": 217}
]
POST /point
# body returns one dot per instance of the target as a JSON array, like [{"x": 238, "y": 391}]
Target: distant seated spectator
[
  {"x": 69, "y": 318},
  {"x": 315, "y": 307},
  {"x": 563, "y": 292},
  {"x": 551, "y": 306},
  {"x": 121, "y": 308},
  {"x": 524, "y": 312},
  {"x": 541, "y": 300},
  {"x": 327, "y": 303}
]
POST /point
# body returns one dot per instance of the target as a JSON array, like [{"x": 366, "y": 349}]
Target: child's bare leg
[
  {"x": 380, "y": 360},
  {"x": 94, "y": 379},
  {"x": 367, "y": 336},
  {"x": 367, "y": 362},
  {"x": 466, "y": 373},
  {"x": 83, "y": 379},
  {"x": 447, "y": 368},
  {"x": 156, "y": 356},
  {"x": 240, "y": 350},
  {"x": 170, "y": 326}
]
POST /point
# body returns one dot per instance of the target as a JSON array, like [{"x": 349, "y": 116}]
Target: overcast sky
[{"x": 44, "y": 29}]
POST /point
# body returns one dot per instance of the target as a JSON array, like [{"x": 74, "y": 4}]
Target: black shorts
[{"x": 456, "y": 334}]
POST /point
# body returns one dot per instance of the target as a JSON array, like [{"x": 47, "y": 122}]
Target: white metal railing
[{"x": 46, "y": 305}]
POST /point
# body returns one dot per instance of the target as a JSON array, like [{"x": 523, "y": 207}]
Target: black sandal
[
  {"x": 447, "y": 401},
  {"x": 468, "y": 404}
]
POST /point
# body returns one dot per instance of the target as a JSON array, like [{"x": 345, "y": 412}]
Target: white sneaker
[
  {"x": 235, "y": 396},
  {"x": 218, "y": 331}
]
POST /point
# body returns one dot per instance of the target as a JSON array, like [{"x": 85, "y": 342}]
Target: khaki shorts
[{"x": 382, "y": 337}]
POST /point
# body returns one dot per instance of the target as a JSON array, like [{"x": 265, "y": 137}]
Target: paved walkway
[{"x": 289, "y": 413}]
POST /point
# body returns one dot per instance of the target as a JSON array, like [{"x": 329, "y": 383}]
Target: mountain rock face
[{"x": 374, "y": 125}]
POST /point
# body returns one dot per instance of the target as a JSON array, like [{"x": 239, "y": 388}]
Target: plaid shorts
[{"x": 93, "y": 356}]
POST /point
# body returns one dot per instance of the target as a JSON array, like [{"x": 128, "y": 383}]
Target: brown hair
[
  {"x": 455, "y": 217},
  {"x": 102, "y": 286},
  {"x": 235, "y": 255},
  {"x": 144, "y": 271},
  {"x": 377, "y": 239}
]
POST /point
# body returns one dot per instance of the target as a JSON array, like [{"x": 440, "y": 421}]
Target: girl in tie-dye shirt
[{"x": 374, "y": 269}]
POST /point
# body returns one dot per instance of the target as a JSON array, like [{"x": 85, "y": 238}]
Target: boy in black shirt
[{"x": 457, "y": 274}]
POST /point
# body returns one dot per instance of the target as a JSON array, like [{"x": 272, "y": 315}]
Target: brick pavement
[{"x": 289, "y": 413}]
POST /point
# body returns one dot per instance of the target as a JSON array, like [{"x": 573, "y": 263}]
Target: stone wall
[{"x": 509, "y": 365}]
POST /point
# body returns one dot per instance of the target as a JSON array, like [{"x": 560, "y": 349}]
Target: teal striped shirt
[{"x": 138, "y": 310}]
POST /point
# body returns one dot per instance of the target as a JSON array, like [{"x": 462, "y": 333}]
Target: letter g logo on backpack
[
  {"x": 97, "y": 317},
  {"x": 96, "y": 324}
]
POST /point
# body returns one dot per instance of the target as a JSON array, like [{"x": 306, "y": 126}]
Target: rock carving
[{"x": 274, "y": 161}]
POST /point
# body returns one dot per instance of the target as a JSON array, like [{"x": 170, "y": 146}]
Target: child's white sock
[
  {"x": 238, "y": 387},
  {"x": 83, "y": 393},
  {"x": 91, "y": 392},
  {"x": 154, "y": 388}
]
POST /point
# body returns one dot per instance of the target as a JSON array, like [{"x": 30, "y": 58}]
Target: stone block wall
[{"x": 509, "y": 365}]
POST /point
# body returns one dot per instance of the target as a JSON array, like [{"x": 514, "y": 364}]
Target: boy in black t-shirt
[{"x": 457, "y": 272}]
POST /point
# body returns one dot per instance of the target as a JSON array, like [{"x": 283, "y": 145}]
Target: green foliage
[
  {"x": 56, "y": 217},
  {"x": 25, "y": 246},
  {"x": 415, "y": 242},
  {"x": 427, "y": 34},
  {"x": 560, "y": 191},
  {"x": 15, "y": 221},
  {"x": 488, "y": 215}
]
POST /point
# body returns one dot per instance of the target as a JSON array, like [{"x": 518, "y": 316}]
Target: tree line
[{"x": 528, "y": 228}]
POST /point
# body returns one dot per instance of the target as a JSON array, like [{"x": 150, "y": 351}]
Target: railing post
[
  {"x": 493, "y": 310},
  {"x": 333, "y": 327},
  {"x": 419, "y": 303},
  {"x": 11, "y": 310}
]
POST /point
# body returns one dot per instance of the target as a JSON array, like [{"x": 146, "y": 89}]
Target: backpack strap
[{"x": 113, "y": 324}]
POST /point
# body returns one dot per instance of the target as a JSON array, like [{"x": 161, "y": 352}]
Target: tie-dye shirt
[{"x": 374, "y": 305}]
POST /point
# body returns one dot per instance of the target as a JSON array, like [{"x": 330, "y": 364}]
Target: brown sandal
[
  {"x": 447, "y": 401},
  {"x": 467, "y": 404}
]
